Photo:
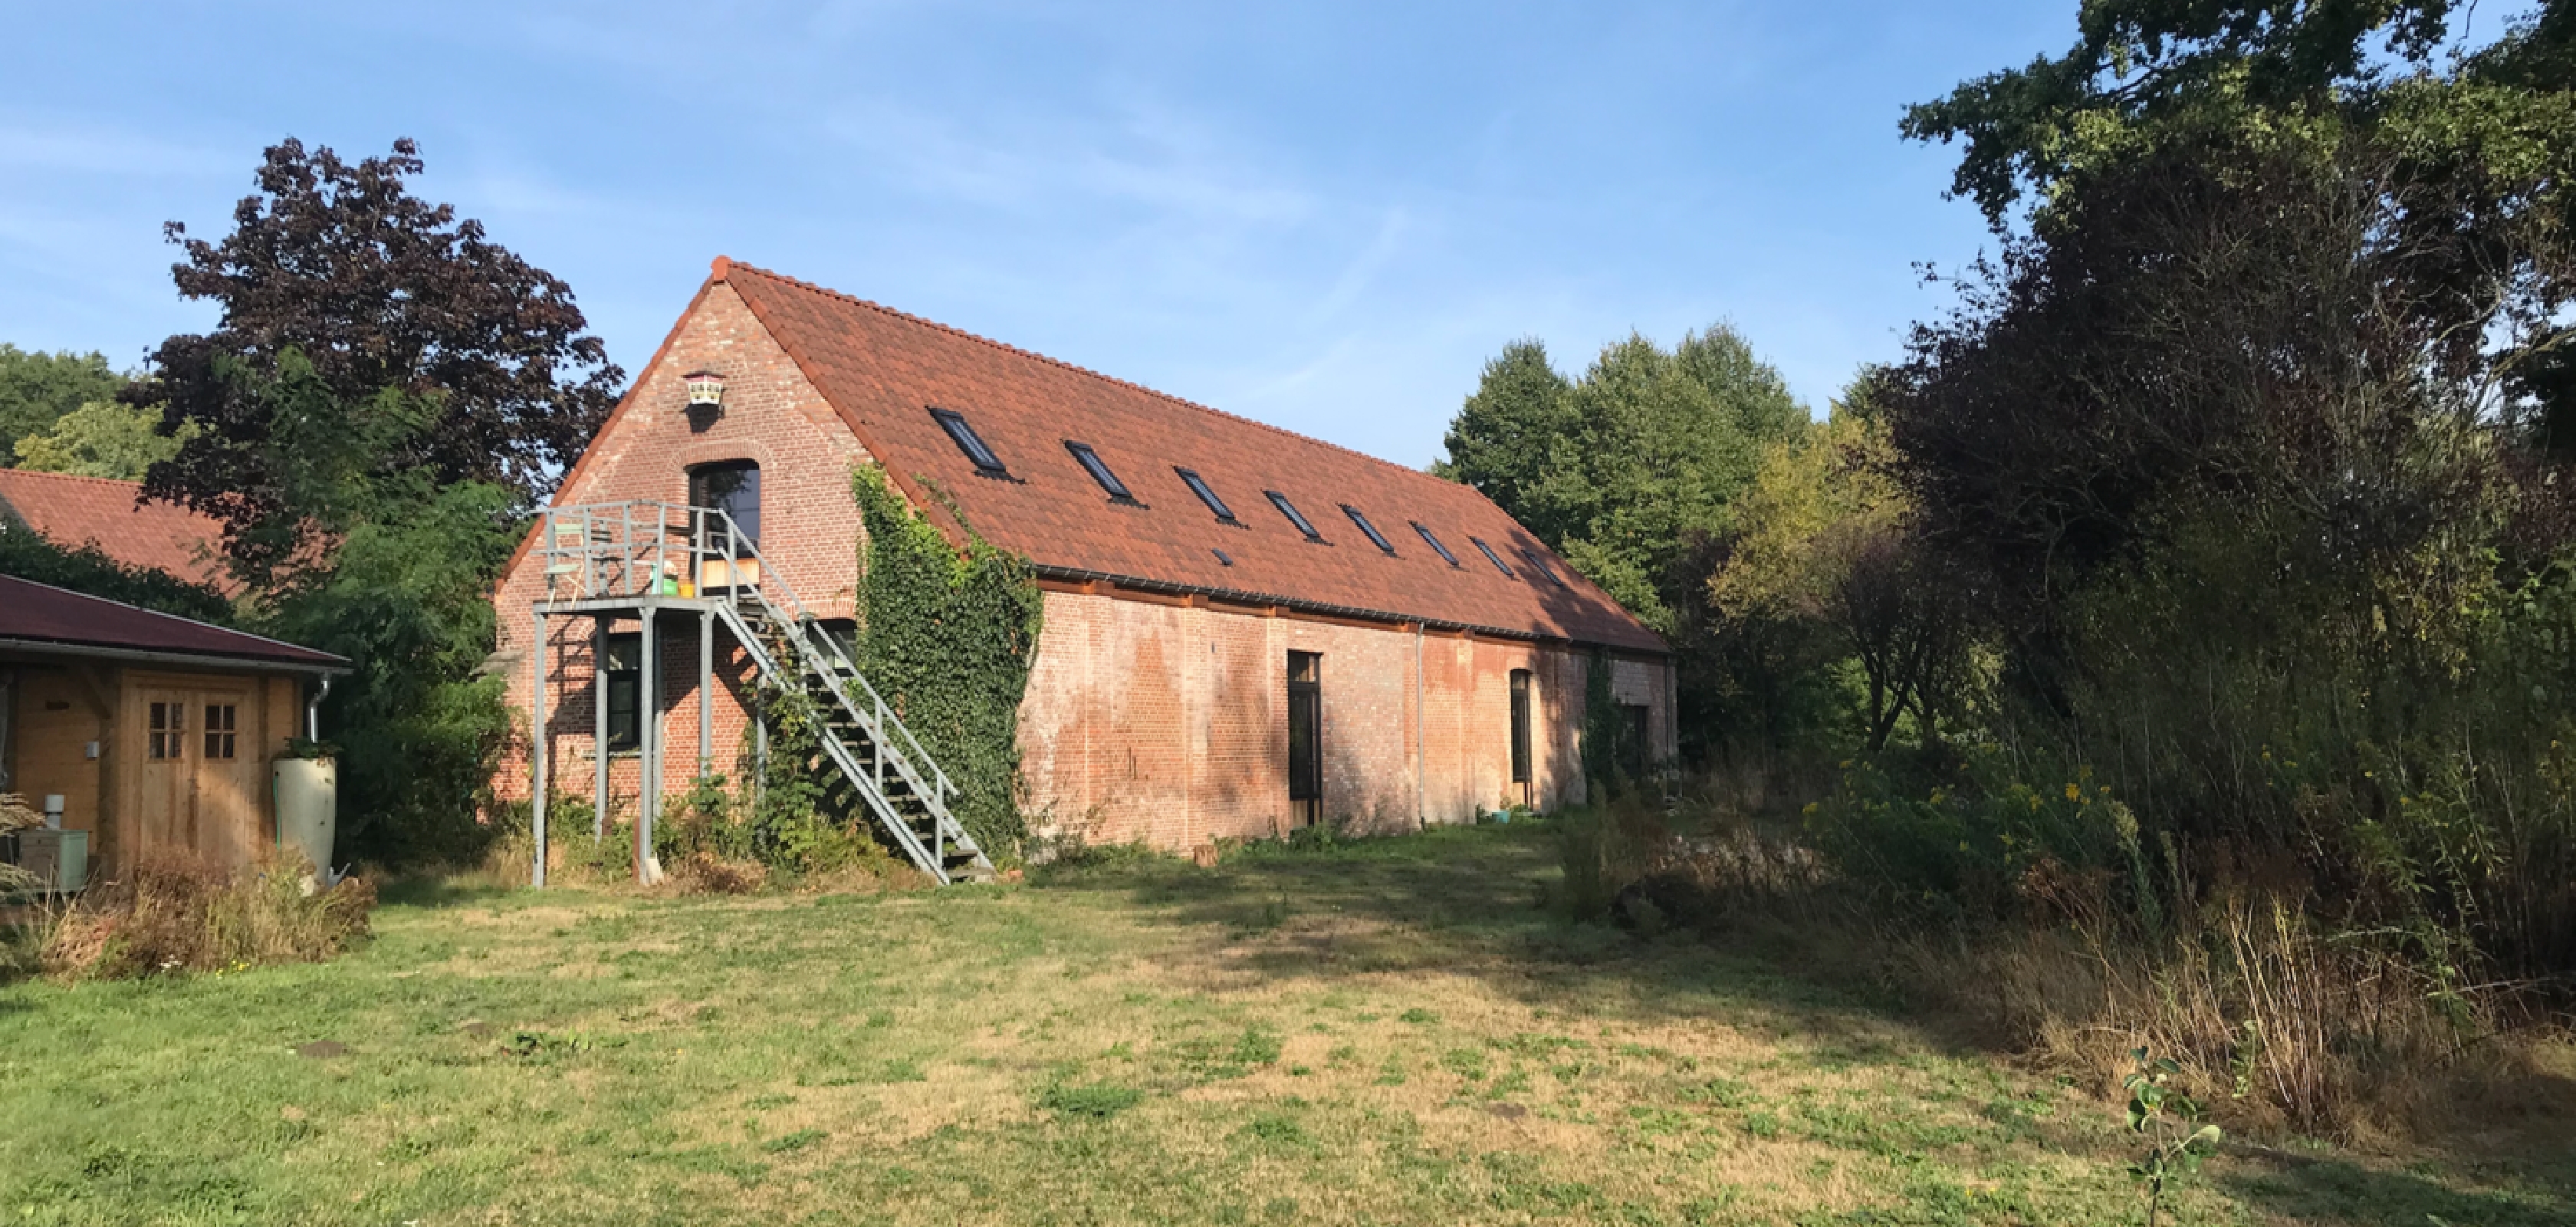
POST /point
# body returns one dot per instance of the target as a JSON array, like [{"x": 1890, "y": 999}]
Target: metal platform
[{"x": 643, "y": 561}]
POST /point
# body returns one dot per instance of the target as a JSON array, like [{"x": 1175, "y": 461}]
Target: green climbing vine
[
  {"x": 1608, "y": 741},
  {"x": 948, "y": 639}
]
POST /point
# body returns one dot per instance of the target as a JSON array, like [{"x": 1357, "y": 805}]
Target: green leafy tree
[
  {"x": 85, "y": 568},
  {"x": 38, "y": 388},
  {"x": 393, "y": 571},
  {"x": 1629, "y": 472},
  {"x": 1504, "y": 439},
  {"x": 102, "y": 439}
]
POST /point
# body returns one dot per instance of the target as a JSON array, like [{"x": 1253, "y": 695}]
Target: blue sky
[{"x": 1322, "y": 215}]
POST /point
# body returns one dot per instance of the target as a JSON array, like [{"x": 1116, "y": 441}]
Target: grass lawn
[{"x": 1389, "y": 1033}]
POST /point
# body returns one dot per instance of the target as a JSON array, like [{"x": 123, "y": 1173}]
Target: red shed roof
[
  {"x": 33, "y": 614},
  {"x": 77, "y": 511},
  {"x": 885, "y": 372}
]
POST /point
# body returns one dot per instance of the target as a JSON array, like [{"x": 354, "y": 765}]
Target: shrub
[{"x": 174, "y": 912}]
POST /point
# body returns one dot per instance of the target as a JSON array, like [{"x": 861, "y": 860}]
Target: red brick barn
[{"x": 1245, "y": 629}]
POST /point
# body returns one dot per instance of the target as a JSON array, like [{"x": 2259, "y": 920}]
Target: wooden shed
[{"x": 158, "y": 732}]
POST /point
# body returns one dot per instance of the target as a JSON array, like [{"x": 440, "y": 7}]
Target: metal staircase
[{"x": 609, "y": 557}]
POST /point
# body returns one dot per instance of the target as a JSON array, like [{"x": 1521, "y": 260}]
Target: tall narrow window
[
  {"x": 1540, "y": 565},
  {"x": 1099, "y": 470},
  {"x": 967, "y": 441},
  {"x": 168, "y": 737},
  {"x": 1434, "y": 543},
  {"x": 1306, "y": 737},
  {"x": 1521, "y": 731},
  {"x": 1198, "y": 486},
  {"x": 732, "y": 487},
  {"x": 1494, "y": 558},
  {"x": 220, "y": 730},
  {"x": 1375, "y": 537},
  {"x": 1295, "y": 516},
  {"x": 1638, "y": 753},
  {"x": 624, "y": 671}
]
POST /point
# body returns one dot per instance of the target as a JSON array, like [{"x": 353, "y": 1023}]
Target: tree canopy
[
  {"x": 1630, "y": 471},
  {"x": 378, "y": 290},
  {"x": 37, "y": 389},
  {"x": 103, "y": 439}
]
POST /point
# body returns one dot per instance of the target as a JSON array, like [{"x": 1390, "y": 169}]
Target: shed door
[
  {"x": 165, "y": 790},
  {"x": 199, "y": 782}
]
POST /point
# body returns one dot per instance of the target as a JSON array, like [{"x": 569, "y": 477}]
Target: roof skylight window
[
  {"x": 1494, "y": 558},
  {"x": 1375, "y": 538},
  {"x": 1221, "y": 557},
  {"x": 1295, "y": 517},
  {"x": 1099, "y": 470},
  {"x": 1434, "y": 543},
  {"x": 970, "y": 443},
  {"x": 1539, "y": 565},
  {"x": 1199, "y": 487}
]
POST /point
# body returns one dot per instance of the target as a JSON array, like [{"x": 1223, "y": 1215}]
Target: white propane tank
[{"x": 308, "y": 791}]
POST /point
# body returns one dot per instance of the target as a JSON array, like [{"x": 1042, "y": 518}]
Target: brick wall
[
  {"x": 1166, "y": 721},
  {"x": 1147, "y": 717},
  {"x": 809, "y": 535}
]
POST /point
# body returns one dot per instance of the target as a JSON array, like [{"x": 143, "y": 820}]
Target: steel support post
[
  {"x": 599, "y": 727},
  {"x": 706, "y": 692},
  {"x": 537, "y": 744},
  {"x": 648, "y": 740}
]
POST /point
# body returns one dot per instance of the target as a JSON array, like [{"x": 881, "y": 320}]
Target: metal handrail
[{"x": 607, "y": 565}]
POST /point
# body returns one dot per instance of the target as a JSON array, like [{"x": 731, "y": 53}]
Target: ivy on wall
[
  {"x": 948, "y": 639},
  {"x": 1609, "y": 744}
]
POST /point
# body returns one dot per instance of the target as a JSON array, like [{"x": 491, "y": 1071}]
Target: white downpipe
[{"x": 313, "y": 710}]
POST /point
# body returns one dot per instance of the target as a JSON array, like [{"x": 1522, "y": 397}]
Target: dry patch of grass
[{"x": 1386, "y": 1033}]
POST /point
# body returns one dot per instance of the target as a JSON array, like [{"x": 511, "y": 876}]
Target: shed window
[
  {"x": 220, "y": 730},
  {"x": 1099, "y": 470},
  {"x": 970, "y": 443},
  {"x": 1434, "y": 543},
  {"x": 1540, "y": 565},
  {"x": 1295, "y": 516},
  {"x": 1494, "y": 558},
  {"x": 1375, "y": 537},
  {"x": 168, "y": 733},
  {"x": 1199, "y": 487}
]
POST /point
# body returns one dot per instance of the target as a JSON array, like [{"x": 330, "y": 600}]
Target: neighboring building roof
[
  {"x": 885, "y": 371},
  {"x": 43, "y": 616},
  {"x": 77, "y": 511}
]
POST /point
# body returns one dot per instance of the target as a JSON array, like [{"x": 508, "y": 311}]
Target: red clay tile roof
[
  {"x": 33, "y": 613},
  {"x": 76, "y": 511},
  {"x": 884, "y": 371}
]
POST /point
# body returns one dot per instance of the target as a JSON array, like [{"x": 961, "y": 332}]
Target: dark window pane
[
  {"x": 1492, "y": 557},
  {"x": 1434, "y": 543},
  {"x": 1099, "y": 470},
  {"x": 1375, "y": 538},
  {"x": 625, "y": 676},
  {"x": 968, "y": 441},
  {"x": 1199, "y": 487},
  {"x": 732, "y": 488},
  {"x": 1520, "y": 726},
  {"x": 1540, "y": 565},
  {"x": 1295, "y": 517},
  {"x": 1305, "y": 727}
]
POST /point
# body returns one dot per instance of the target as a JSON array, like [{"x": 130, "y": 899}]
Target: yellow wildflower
[{"x": 2074, "y": 793}]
